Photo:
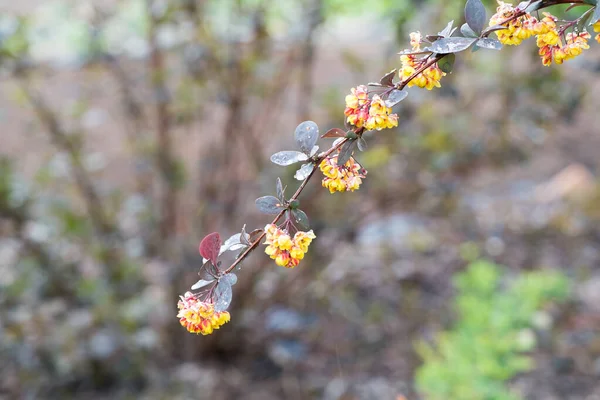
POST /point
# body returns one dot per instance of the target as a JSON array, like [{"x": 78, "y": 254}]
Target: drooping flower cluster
[
  {"x": 198, "y": 316},
  {"x": 552, "y": 47},
  {"x": 285, "y": 250},
  {"x": 597, "y": 29},
  {"x": 429, "y": 78},
  {"x": 518, "y": 29},
  {"x": 372, "y": 114},
  {"x": 347, "y": 177}
]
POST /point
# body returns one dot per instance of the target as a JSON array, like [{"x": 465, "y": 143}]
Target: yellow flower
[
  {"x": 357, "y": 106},
  {"x": 574, "y": 45},
  {"x": 341, "y": 179},
  {"x": 415, "y": 40},
  {"x": 517, "y": 29},
  {"x": 286, "y": 251},
  {"x": 597, "y": 29},
  {"x": 428, "y": 79},
  {"x": 198, "y": 316},
  {"x": 380, "y": 116}
]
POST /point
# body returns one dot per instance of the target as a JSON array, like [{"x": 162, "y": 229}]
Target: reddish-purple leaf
[
  {"x": 334, "y": 132},
  {"x": 210, "y": 246}
]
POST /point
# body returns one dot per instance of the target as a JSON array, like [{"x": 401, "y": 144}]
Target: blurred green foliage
[{"x": 492, "y": 331}]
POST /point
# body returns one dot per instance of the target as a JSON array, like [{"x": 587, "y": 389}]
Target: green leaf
[
  {"x": 269, "y": 205},
  {"x": 475, "y": 15},
  {"x": 301, "y": 219},
  {"x": 306, "y": 135},
  {"x": 447, "y": 63},
  {"x": 452, "y": 45}
]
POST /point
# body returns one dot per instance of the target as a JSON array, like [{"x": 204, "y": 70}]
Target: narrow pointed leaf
[
  {"x": 475, "y": 15},
  {"x": 447, "y": 30},
  {"x": 280, "y": 190},
  {"x": 304, "y": 171},
  {"x": 269, "y": 205},
  {"x": 288, "y": 157},
  {"x": 395, "y": 97},
  {"x": 210, "y": 246},
  {"x": 306, "y": 135}
]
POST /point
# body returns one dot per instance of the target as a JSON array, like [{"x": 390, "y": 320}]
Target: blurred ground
[{"x": 502, "y": 158}]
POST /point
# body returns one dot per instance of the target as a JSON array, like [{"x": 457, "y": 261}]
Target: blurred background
[{"x": 466, "y": 266}]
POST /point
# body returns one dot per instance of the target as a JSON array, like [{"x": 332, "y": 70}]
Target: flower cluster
[
  {"x": 429, "y": 78},
  {"x": 552, "y": 47},
  {"x": 285, "y": 250},
  {"x": 347, "y": 177},
  {"x": 198, "y": 316},
  {"x": 370, "y": 114},
  {"x": 517, "y": 29},
  {"x": 597, "y": 29}
]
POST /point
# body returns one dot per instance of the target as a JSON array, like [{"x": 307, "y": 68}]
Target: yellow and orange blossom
[
  {"x": 285, "y": 250},
  {"x": 597, "y": 29},
  {"x": 429, "y": 78},
  {"x": 517, "y": 30},
  {"x": 363, "y": 112},
  {"x": 341, "y": 178},
  {"x": 199, "y": 316}
]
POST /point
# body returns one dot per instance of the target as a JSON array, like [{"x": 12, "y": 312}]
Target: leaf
[
  {"x": 447, "y": 63},
  {"x": 306, "y": 135},
  {"x": 269, "y": 205},
  {"x": 362, "y": 144},
  {"x": 208, "y": 271},
  {"x": 585, "y": 20},
  {"x": 334, "y": 132},
  {"x": 222, "y": 295},
  {"x": 314, "y": 151},
  {"x": 233, "y": 243},
  {"x": 467, "y": 31},
  {"x": 231, "y": 277},
  {"x": 452, "y": 45},
  {"x": 301, "y": 219},
  {"x": 475, "y": 15},
  {"x": 387, "y": 79},
  {"x": 489, "y": 43},
  {"x": 255, "y": 234},
  {"x": 346, "y": 152},
  {"x": 288, "y": 157},
  {"x": 280, "y": 190},
  {"x": 210, "y": 246},
  {"x": 447, "y": 30},
  {"x": 534, "y": 6},
  {"x": 304, "y": 171},
  {"x": 201, "y": 283},
  {"x": 395, "y": 97}
]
